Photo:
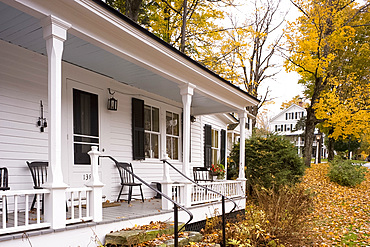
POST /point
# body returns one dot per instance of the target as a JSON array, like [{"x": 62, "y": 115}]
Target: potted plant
[{"x": 218, "y": 170}]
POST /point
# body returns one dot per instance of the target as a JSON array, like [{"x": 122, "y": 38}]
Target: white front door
[{"x": 84, "y": 104}]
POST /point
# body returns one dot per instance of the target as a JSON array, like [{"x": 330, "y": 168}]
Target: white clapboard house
[
  {"x": 79, "y": 80},
  {"x": 284, "y": 123}
]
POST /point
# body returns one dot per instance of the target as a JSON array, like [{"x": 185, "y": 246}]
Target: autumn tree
[
  {"x": 345, "y": 104},
  {"x": 130, "y": 8},
  {"x": 314, "y": 41},
  {"x": 244, "y": 55}
]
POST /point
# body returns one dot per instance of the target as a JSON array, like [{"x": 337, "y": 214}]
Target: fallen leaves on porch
[{"x": 341, "y": 214}]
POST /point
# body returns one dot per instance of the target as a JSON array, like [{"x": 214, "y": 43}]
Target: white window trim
[
  {"x": 163, "y": 107},
  {"x": 218, "y": 142}
]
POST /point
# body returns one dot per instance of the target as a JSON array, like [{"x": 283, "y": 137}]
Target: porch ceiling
[{"x": 24, "y": 30}]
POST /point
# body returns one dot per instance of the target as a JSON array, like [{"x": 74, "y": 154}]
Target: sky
[{"x": 285, "y": 85}]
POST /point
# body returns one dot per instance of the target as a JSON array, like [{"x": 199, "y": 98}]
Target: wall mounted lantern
[
  {"x": 193, "y": 119},
  {"x": 42, "y": 121},
  {"x": 112, "y": 102}
]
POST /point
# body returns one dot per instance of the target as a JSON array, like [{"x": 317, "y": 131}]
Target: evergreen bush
[
  {"x": 345, "y": 173},
  {"x": 270, "y": 161}
]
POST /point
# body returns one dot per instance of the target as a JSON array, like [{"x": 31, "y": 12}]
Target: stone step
[{"x": 132, "y": 237}]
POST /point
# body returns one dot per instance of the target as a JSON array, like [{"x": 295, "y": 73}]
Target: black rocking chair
[
  {"x": 4, "y": 186},
  {"x": 39, "y": 172},
  {"x": 202, "y": 174},
  {"x": 127, "y": 179}
]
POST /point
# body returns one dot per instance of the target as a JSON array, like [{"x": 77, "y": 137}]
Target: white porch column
[
  {"x": 299, "y": 146},
  {"x": 186, "y": 92},
  {"x": 242, "y": 120},
  {"x": 166, "y": 184},
  {"x": 96, "y": 185},
  {"x": 55, "y": 33}
]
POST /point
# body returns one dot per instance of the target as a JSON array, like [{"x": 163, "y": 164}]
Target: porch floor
[
  {"x": 136, "y": 209},
  {"x": 118, "y": 212}
]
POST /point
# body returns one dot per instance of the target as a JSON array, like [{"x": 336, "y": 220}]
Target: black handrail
[
  {"x": 176, "y": 205},
  {"x": 200, "y": 185}
]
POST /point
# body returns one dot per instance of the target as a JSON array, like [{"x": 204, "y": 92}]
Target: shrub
[
  {"x": 270, "y": 160},
  {"x": 344, "y": 173},
  {"x": 278, "y": 217}
]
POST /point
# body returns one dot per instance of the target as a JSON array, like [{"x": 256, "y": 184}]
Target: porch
[{"x": 114, "y": 217}]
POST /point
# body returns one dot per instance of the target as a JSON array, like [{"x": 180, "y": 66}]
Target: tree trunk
[
  {"x": 309, "y": 136},
  {"x": 330, "y": 149},
  {"x": 320, "y": 148},
  {"x": 133, "y": 9}
]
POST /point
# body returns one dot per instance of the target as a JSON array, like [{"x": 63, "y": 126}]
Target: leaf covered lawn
[{"x": 341, "y": 215}]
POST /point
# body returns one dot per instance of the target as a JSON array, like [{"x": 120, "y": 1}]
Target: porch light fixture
[
  {"x": 193, "y": 119},
  {"x": 42, "y": 121},
  {"x": 112, "y": 102}
]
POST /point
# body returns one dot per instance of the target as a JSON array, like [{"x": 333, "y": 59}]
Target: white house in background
[
  {"x": 284, "y": 123},
  {"x": 60, "y": 63}
]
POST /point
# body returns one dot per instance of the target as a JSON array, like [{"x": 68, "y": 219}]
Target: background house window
[
  {"x": 172, "y": 135},
  {"x": 215, "y": 146},
  {"x": 151, "y": 126}
]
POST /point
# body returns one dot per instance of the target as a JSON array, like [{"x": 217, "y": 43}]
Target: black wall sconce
[
  {"x": 42, "y": 121},
  {"x": 193, "y": 119},
  {"x": 112, "y": 102}
]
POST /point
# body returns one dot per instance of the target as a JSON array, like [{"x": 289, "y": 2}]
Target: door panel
[{"x": 84, "y": 128}]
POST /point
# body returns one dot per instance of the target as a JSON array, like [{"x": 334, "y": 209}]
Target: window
[
  {"x": 172, "y": 135},
  {"x": 151, "y": 136},
  {"x": 215, "y": 146},
  {"x": 85, "y": 125},
  {"x": 150, "y": 125}
]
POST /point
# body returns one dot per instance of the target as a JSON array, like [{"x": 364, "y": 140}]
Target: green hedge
[
  {"x": 270, "y": 161},
  {"x": 345, "y": 173}
]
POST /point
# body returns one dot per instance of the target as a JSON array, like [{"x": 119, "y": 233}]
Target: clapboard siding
[
  {"x": 23, "y": 83},
  {"x": 196, "y": 143}
]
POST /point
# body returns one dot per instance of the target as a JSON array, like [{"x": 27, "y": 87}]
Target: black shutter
[
  {"x": 223, "y": 147},
  {"x": 138, "y": 129},
  {"x": 207, "y": 145}
]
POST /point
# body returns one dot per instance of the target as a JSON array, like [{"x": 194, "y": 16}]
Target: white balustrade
[
  {"x": 78, "y": 198},
  {"x": 178, "y": 193},
  {"x": 229, "y": 188},
  {"x": 20, "y": 218}
]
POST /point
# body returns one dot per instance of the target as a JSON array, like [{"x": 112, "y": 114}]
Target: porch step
[{"x": 134, "y": 237}]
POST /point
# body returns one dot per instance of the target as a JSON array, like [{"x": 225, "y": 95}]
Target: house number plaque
[{"x": 86, "y": 176}]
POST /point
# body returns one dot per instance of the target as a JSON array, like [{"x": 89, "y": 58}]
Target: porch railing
[
  {"x": 205, "y": 190},
  {"x": 176, "y": 205},
  {"x": 228, "y": 188},
  {"x": 78, "y": 198},
  {"x": 20, "y": 218},
  {"x": 178, "y": 193}
]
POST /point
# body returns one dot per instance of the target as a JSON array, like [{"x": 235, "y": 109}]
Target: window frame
[
  {"x": 152, "y": 132},
  {"x": 218, "y": 148},
  {"x": 163, "y": 107},
  {"x": 172, "y": 135}
]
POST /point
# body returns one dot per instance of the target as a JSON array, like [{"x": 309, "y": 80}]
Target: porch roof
[{"x": 105, "y": 41}]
